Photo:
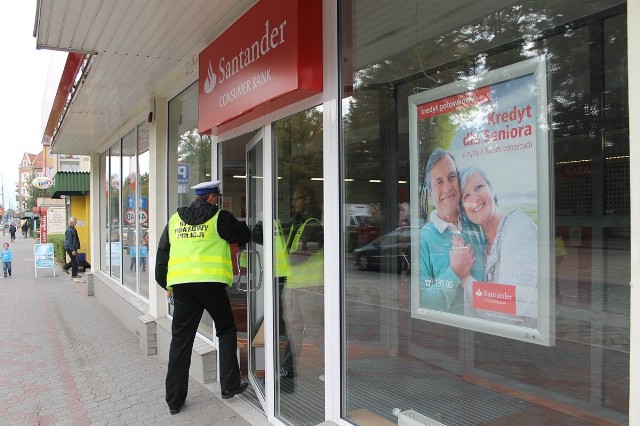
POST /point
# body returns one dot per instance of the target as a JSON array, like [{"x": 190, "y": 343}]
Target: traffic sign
[
  {"x": 183, "y": 173},
  {"x": 142, "y": 201},
  {"x": 130, "y": 216}
]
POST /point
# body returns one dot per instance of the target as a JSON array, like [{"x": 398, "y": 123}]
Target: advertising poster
[
  {"x": 43, "y": 256},
  {"x": 113, "y": 252},
  {"x": 481, "y": 257},
  {"x": 56, "y": 218}
]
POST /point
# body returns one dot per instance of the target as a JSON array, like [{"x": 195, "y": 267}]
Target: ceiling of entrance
[{"x": 139, "y": 46}]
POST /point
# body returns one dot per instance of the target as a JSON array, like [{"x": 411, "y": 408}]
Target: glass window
[
  {"x": 128, "y": 222},
  {"x": 135, "y": 205},
  {"x": 115, "y": 213},
  {"x": 449, "y": 370},
  {"x": 142, "y": 204},
  {"x": 124, "y": 210},
  {"x": 189, "y": 152},
  {"x": 105, "y": 235},
  {"x": 298, "y": 265},
  {"x": 189, "y": 162}
]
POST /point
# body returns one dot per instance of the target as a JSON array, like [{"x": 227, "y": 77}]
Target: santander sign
[
  {"x": 270, "y": 57},
  {"x": 245, "y": 57}
]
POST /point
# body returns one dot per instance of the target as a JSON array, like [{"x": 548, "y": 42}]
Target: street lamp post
[{"x": 4, "y": 214}]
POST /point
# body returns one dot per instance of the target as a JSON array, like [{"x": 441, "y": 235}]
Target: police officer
[{"x": 193, "y": 263}]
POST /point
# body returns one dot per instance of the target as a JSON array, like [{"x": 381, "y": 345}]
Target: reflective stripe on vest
[
  {"x": 197, "y": 253},
  {"x": 281, "y": 267}
]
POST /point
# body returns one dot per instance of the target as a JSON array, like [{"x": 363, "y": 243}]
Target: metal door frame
[{"x": 267, "y": 401}]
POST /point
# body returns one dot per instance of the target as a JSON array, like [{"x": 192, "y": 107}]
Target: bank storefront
[{"x": 440, "y": 198}]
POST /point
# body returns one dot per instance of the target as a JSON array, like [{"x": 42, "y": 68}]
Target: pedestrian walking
[
  {"x": 7, "y": 257},
  {"x": 71, "y": 246},
  {"x": 12, "y": 232},
  {"x": 193, "y": 264},
  {"x": 25, "y": 229}
]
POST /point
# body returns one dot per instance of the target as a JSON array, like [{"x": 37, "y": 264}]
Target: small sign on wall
[{"x": 227, "y": 204}]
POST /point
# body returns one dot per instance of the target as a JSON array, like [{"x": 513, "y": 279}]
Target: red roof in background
[{"x": 38, "y": 161}]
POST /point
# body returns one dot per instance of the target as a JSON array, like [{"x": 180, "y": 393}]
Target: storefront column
[
  {"x": 157, "y": 208},
  {"x": 332, "y": 204},
  {"x": 633, "y": 33},
  {"x": 94, "y": 209}
]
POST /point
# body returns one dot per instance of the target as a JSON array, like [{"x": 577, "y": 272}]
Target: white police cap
[{"x": 204, "y": 188}]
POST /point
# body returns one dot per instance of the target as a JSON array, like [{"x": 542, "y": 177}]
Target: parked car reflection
[{"x": 389, "y": 251}]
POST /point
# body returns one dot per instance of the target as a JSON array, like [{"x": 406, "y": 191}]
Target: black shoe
[
  {"x": 76, "y": 276},
  {"x": 230, "y": 393},
  {"x": 175, "y": 409},
  {"x": 66, "y": 271}
]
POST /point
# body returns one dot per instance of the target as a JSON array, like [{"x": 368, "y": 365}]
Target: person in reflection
[
  {"x": 511, "y": 247},
  {"x": 193, "y": 264},
  {"x": 138, "y": 250},
  {"x": 442, "y": 270},
  {"x": 281, "y": 271},
  {"x": 144, "y": 250},
  {"x": 298, "y": 266},
  {"x": 133, "y": 250},
  {"x": 303, "y": 292}
]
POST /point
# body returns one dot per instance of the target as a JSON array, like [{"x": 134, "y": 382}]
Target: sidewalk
[{"x": 67, "y": 360}]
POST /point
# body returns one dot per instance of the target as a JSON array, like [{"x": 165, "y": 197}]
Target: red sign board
[
  {"x": 44, "y": 226},
  {"x": 270, "y": 57},
  {"x": 494, "y": 297}
]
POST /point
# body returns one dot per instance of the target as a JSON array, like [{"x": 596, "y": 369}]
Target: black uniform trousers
[{"x": 190, "y": 300}]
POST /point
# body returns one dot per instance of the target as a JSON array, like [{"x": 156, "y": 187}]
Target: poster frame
[{"x": 543, "y": 333}]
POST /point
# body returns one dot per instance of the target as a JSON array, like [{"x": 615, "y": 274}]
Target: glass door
[{"x": 255, "y": 276}]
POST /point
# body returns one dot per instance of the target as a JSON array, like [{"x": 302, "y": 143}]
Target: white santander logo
[{"x": 210, "y": 82}]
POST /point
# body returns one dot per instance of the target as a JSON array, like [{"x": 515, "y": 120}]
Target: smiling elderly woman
[{"x": 511, "y": 249}]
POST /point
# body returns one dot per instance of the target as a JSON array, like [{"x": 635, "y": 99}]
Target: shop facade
[{"x": 320, "y": 119}]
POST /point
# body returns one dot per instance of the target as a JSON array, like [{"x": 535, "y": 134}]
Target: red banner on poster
[{"x": 455, "y": 103}]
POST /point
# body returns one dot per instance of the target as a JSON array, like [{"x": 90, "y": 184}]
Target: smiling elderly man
[{"x": 441, "y": 267}]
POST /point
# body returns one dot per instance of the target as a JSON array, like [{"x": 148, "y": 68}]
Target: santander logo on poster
[
  {"x": 494, "y": 297},
  {"x": 265, "y": 55}
]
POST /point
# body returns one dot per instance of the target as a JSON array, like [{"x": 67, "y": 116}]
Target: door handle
[
  {"x": 259, "y": 262},
  {"x": 243, "y": 277}
]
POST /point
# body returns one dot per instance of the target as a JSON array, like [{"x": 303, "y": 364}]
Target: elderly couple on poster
[{"x": 469, "y": 249}]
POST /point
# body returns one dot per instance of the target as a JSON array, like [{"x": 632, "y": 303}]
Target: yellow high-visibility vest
[
  {"x": 309, "y": 270},
  {"x": 281, "y": 266},
  {"x": 197, "y": 253}
]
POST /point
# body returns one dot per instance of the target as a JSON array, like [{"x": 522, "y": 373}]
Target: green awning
[{"x": 70, "y": 183}]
